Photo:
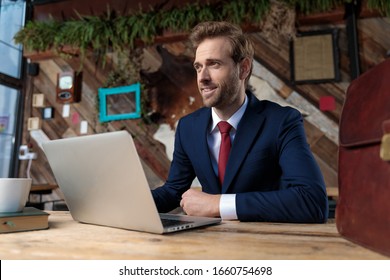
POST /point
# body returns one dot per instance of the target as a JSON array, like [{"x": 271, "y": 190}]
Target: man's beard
[{"x": 225, "y": 94}]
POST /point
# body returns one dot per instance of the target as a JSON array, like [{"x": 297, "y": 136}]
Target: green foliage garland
[{"x": 112, "y": 32}]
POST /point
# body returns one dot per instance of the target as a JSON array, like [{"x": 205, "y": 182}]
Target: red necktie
[{"x": 224, "y": 128}]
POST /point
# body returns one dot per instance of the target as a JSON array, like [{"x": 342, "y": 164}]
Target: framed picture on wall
[
  {"x": 314, "y": 57},
  {"x": 120, "y": 103}
]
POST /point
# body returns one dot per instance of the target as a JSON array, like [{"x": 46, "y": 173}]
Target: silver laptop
[{"x": 103, "y": 183}]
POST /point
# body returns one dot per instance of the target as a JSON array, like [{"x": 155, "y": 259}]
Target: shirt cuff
[{"x": 227, "y": 207}]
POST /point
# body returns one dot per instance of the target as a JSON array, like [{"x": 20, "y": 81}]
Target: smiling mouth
[{"x": 207, "y": 90}]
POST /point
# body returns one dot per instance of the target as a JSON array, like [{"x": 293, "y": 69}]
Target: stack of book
[{"x": 29, "y": 219}]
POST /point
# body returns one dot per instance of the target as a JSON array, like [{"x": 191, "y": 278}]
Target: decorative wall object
[
  {"x": 66, "y": 111},
  {"x": 69, "y": 85},
  {"x": 33, "y": 123},
  {"x": 83, "y": 127},
  {"x": 75, "y": 118},
  {"x": 120, "y": 103},
  {"x": 33, "y": 69},
  {"x": 314, "y": 57},
  {"x": 38, "y": 100},
  {"x": 327, "y": 103},
  {"x": 47, "y": 113}
]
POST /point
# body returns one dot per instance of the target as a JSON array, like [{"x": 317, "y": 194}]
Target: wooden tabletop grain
[{"x": 68, "y": 239}]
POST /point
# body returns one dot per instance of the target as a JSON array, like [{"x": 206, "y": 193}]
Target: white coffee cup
[{"x": 14, "y": 194}]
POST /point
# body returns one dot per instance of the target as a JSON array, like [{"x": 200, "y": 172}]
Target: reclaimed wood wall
[{"x": 173, "y": 93}]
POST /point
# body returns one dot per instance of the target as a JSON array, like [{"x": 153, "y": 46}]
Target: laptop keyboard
[{"x": 169, "y": 222}]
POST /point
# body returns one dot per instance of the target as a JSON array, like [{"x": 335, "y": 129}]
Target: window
[
  {"x": 12, "y": 15},
  {"x": 9, "y": 100},
  {"x": 12, "y": 18}
]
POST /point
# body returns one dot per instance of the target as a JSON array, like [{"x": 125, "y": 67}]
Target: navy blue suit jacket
[{"x": 270, "y": 169}]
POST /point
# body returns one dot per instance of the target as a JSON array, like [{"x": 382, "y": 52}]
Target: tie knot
[{"x": 224, "y": 127}]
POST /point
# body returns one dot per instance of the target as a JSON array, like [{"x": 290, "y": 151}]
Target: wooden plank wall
[{"x": 175, "y": 85}]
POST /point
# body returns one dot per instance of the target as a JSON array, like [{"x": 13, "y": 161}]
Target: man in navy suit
[{"x": 271, "y": 174}]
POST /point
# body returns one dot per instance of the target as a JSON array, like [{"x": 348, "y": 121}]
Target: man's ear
[{"x": 245, "y": 67}]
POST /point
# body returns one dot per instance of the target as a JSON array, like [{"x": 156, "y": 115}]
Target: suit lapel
[
  {"x": 247, "y": 133},
  {"x": 200, "y": 128}
]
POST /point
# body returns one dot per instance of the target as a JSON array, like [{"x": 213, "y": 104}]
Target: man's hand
[{"x": 197, "y": 203}]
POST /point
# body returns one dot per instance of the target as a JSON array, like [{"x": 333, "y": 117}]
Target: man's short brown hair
[{"x": 241, "y": 45}]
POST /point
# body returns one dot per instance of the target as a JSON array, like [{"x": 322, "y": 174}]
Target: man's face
[{"x": 217, "y": 74}]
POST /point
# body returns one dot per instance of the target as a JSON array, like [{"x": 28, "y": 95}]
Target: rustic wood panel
[
  {"x": 374, "y": 42},
  {"x": 173, "y": 93},
  {"x": 277, "y": 60}
]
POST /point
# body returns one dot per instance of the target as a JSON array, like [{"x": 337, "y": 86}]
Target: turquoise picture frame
[{"x": 104, "y": 93}]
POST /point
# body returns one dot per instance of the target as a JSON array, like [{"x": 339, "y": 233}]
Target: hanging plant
[
  {"x": 38, "y": 35},
  {"x": 111, "y": 31},
  {"x": 383, "y": 6}
]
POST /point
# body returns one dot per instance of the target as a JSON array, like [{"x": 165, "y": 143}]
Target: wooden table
[{"x": 67, "y": 239}]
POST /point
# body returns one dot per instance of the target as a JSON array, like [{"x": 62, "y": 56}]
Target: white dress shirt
[{"x": 227, "y": 205}]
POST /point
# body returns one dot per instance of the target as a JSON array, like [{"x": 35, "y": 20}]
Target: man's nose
[{"x": 203, "y": 75}]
